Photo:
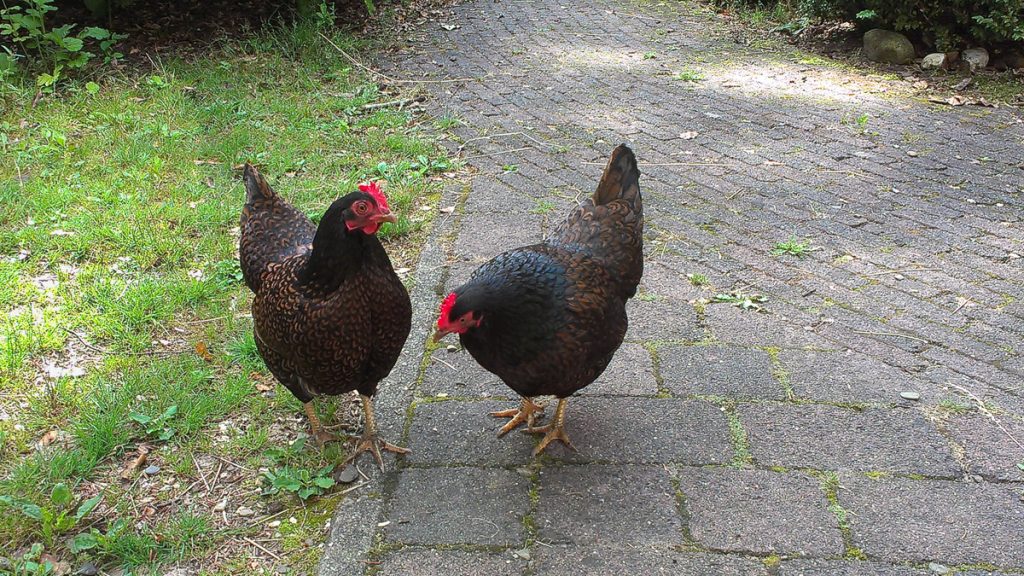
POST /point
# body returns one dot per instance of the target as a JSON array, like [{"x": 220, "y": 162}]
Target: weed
[
  {"x": 543, "y": 207},
  {"x": 741, "y": 300},
  {"x": 157, "y": 426},
  {"x": 509, "y": 168},
  {"x": 650, "y": 55},
  {"x": 688, "y": 75},
  {"x": 698, "y": 279},
  {"x": 55, "y": 517},
  {"x": 792, "y": 247}
]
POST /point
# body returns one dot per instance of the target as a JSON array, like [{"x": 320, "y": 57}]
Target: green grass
[
  {"x": 689, "y": 75},
  {"x": 117, "y": 258}
]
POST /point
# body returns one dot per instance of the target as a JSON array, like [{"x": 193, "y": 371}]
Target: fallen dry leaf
[
  {"x": 136, "y": 463},
  {"x": 448, "y": 209},
  {"x": 203, "y": 351},
  {"x": 201, "y": 162},
  {"x": 689, "y": 135},
  {"x": 48, "y": 438}
]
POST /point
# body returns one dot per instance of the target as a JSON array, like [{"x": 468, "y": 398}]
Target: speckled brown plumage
[
  {"x": 330, "y": 315},
  {"x": 551, "y": 316}
]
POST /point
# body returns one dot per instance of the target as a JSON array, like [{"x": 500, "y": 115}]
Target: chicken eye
[{"x": 361, "y": 207}]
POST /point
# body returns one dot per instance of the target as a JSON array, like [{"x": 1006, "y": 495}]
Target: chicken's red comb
[
  {"x": 373, "y": 189},
  {"x": 442, "y": 320}
]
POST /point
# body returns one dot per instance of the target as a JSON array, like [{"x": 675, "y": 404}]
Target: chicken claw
[
  {"x": 527, "y": 412},
  {"x": 555, "y": 430},
  {"x": 369, "y": 442}
]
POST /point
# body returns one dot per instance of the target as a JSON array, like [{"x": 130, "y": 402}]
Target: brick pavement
[{"x": 720, "y": 441}]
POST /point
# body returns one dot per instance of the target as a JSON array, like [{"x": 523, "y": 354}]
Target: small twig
[
  {"x": 984, "y": 410},
  {"x": 891, "y": 334},
  {"x": 356, "y": 487},
  {"x": 226, "y": 461},
  {"x": 92, "y": 347},
  {"x": 400, "y": 103},
  {"x": 502, "y": 135},
  {"x": 265, "y": 518},
  {"x": 498, "y": 153},
  {"x": 736, "y": 193},
  {"x": 446, "y": 364},
  {"x": 202, "y": 476},
  {"x": 901, "y": 270},
  {"x": 256, "y": 544},
  {"x": 353, "y": 60},
  {"x": 961, "y": 306},
  {"x": 216, "y": 476}
]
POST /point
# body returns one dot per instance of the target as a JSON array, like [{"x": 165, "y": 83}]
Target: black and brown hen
[
  {"x": 330, "y": 314},
  {"x": 548, "y": 318}
]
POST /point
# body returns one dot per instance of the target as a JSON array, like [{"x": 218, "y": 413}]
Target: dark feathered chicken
[
  {"x": 547, "y": 318},
  {"x": 330, "y": 314}
]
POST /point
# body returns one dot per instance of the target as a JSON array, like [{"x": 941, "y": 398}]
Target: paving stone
[
  {"x": 661, "y": 320},
  {"x": 848, "y": 377},
  {"x": 584, "y": 505},
  {"x": 484, "y": 236},
  {"x": 759, "y": 512},
  {"x": 428, "y": 562},
  {"x": 639, "y": 430},
  {"x": 719, "y": 371},
  {"x": 646, "y": 560},
  {"x": 732, "y": 325},
  {"x": 847, "y": 568},
  {"x": 630, "y": 373},
  {"x": 458, "y": 506},
  {"x": 464, "y": 433},
  {"x": 831, "y": 438},
  {"x": 457, "y": 374},
  {"x": 901, "y": 520},
  {"x": 989, "y": 450}
]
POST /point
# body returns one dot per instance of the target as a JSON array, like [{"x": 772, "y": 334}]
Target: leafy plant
[
  {"x": 741, "y": 300},
  {"x": 424, "y": 166},
  {"x": 792, "y": 247},
  {"x": 157, "y": 426},
  {"x": 56, "y": 49},
  {"x": 687, "y": 75},
  {"x": 32, "y": 564},
  {"x": 227, "y": 272},
  {"x": 509, "y": 168},
  {"x": 543, "y": 207},
  {"x": 55, "y": 517},
  {"x": 697, "y": 279},
  {"x": 300, "y": 481}
]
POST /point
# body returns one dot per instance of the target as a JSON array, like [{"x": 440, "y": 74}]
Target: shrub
[{"x": 48, "y": 52}]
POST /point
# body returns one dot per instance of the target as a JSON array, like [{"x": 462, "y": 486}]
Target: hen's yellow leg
[
  {"x": 554, "y": 430},
  {"x": 527, "y": 412},
  {"x": 319, "y": 434},
  {"x": 369, "y": 442}
]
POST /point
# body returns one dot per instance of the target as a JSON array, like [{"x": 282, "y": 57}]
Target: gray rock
[
  {"x": 976, "y": 58},
  {"x": 888, "y": 47},
  {"x": 934, "y": 61},
  {"x": 152, "y": 469}
]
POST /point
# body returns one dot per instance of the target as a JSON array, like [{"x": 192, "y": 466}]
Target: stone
[
  {"x": 644, "y": 430},
  {"x": 720, "y": 371},
  {"x": 887, "y": 47},
  {"x": 831, "y": 438},
  {"x": 458, "y": 506},
  {"x": 151, "y": 469},
  {"x": 346, "y": 475},
  {"x": 987, "y": 448},
  {"x": 584, "y": 505},
  {"x": 427, "y": 562},
  {"x": 760, "y": 512},
  {"x": 646, "y": 560},
  {"x": 464, "y": 433},
  {"x": 976, "y": 58},
  {"x": 458, "y": 375},
  {"x": 245, "y": 511},
  {"x": 934, "y": 61},
  {"x": 904, "y": 520},
  {"x": 630, "y": 373},
  {"x": 846, "y": 377}
]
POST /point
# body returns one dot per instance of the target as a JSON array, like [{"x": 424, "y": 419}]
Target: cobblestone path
[{"x": 868, "y": 421}]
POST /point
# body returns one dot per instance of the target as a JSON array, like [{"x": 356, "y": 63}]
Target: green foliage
[
  {"x": 54, "y": 50},
  {"x": 55, "y": 517},
  {"x": 697, "y": 279},
  {"x": 301, "y": 481},
  {"x": 943, "y": 25},
  {"x": 792, "y": 247},
  {"x": 741, "y": 300},
  {"x": 157, "y": 425}
]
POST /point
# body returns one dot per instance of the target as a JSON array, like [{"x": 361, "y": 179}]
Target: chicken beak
[
  {"x": 386, "y": 217},
  {"x": 440, "y": 333}
]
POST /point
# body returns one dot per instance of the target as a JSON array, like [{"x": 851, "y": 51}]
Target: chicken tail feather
[{"x": 621, "y": 178}]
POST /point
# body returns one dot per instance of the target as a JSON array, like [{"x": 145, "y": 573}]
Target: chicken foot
[
  {"x": 527, "y": 412},
  {"x": 321, "y": 435},
  {"x": 369, "y": 442},
  {"x": 554, "y": 430}
]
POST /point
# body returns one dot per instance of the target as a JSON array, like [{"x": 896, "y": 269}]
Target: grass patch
[
  {"x": 793, "y": 247},
  {"x": 124, "y": 323}
]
